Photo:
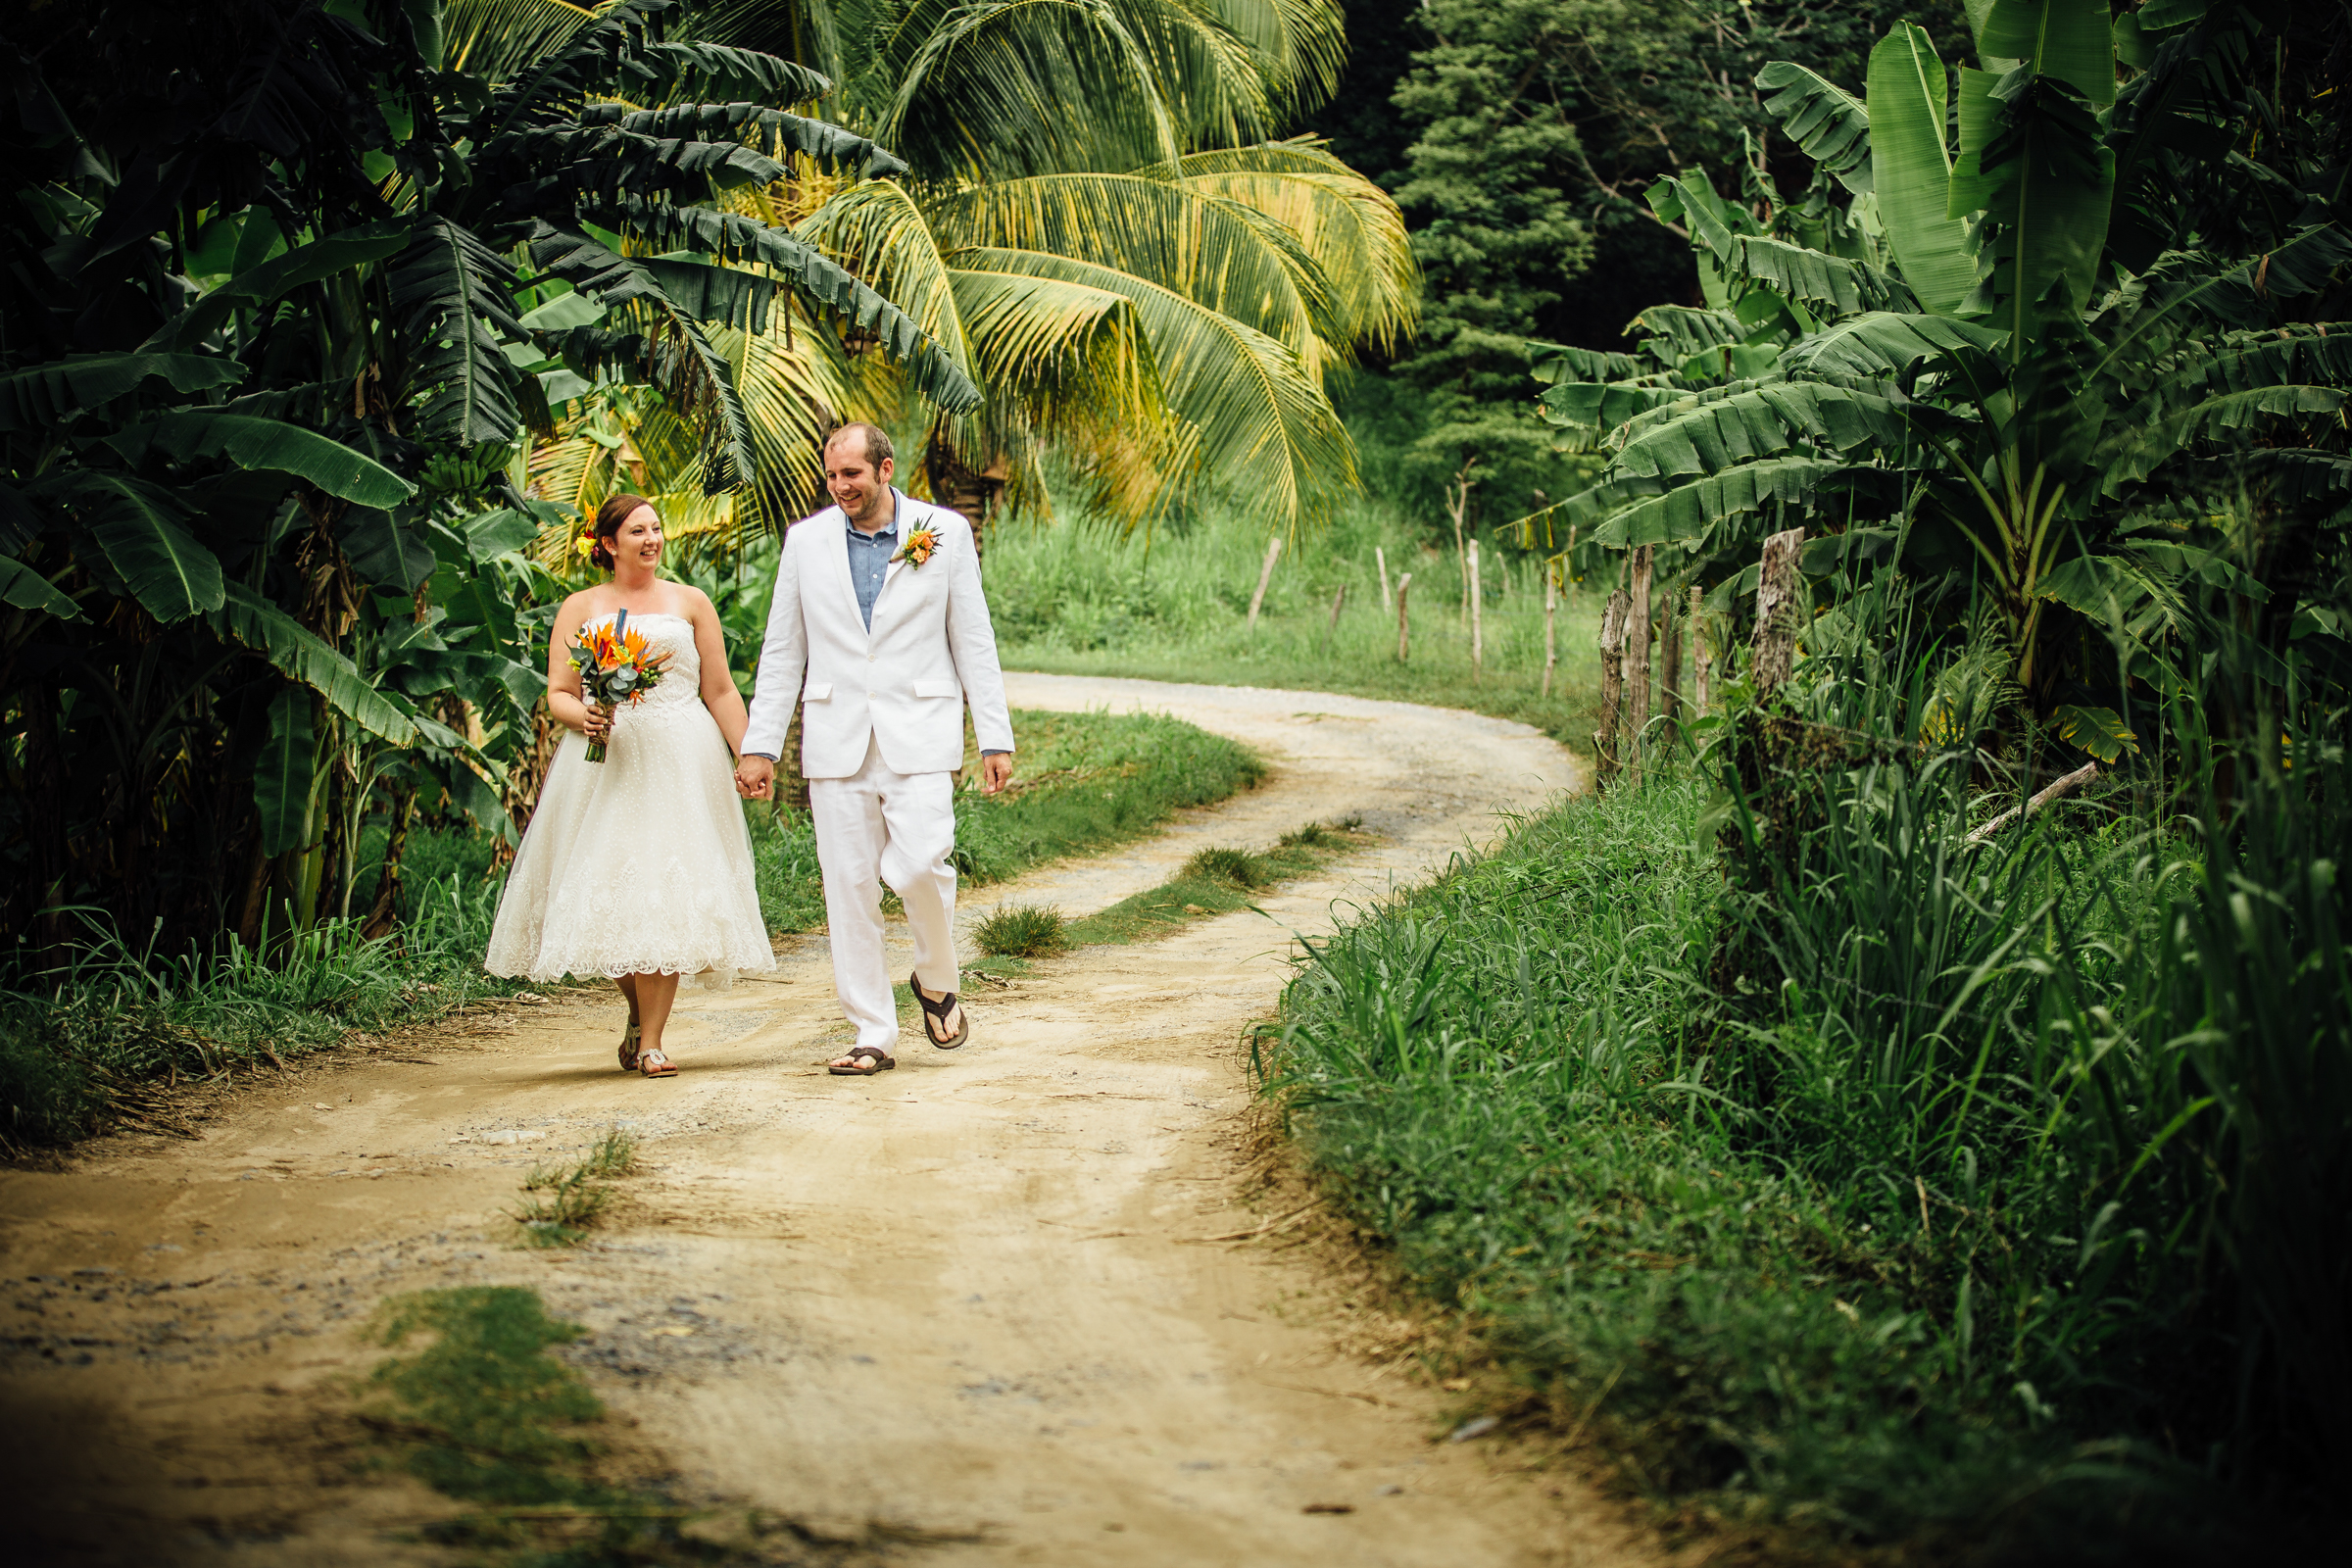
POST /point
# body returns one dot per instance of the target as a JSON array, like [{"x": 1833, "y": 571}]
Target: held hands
[{"x": 756, "y": 776}]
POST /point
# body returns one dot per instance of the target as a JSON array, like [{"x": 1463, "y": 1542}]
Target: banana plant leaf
[
  {"x": 254, "y": 441},
  {"x": 282, "y": 774},
  {"x": 1911, "y": 166}
]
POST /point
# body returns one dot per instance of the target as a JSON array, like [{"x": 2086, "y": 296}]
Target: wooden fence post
[
  {"x": 1637, "y": 631},
  {"x": 1478, "y": 628},
  {"x": 1612, "y": 686},
  {"x": 1699, "y": 656},
  {"x": 1404, "y": 628},
  {"x": 1776, "y": 611},
  {"x": 1380, "y": 559},
  {"x": 1333, "y": 630},
  {"x": 1551, "y": 602},
  {"x": 1670, "y": 658},
  {"x": 1265, "y": 575}
]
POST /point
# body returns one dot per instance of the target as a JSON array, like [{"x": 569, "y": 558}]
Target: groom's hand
[
  {"x": 754, "y": 778},
  {"x": 996, "y": 771}
]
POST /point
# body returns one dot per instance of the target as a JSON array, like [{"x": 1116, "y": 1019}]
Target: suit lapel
[
  {"x": 837, "y": 551},
  {"x": 909, "y": 521}
]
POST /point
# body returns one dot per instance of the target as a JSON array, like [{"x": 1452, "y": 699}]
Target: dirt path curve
[{"x": 975, "y": 1299}]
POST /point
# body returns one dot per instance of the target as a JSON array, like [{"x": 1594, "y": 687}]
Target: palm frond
[
  {"x": 1035, "y": 85},
  {"x": 877, "y": 231},
  {"x": 1265, "y": 427},
  {"x": 1348, "y": 225},
  {"x": 1217, "y": 253},
  {"x": 499, "y": 39}
]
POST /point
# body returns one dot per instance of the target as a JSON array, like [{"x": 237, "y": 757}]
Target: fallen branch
[
  {"x": 1266, "y": 1229},
  {"x": 2056, "y": 790}
]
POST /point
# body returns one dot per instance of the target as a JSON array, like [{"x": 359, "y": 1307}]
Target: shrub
[
  {"x": 1023, "y": 931},
  {"x": 1236, "y": 866}
]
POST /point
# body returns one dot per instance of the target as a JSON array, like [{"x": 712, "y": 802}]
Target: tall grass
[
  {"x": 1073, "y": 596},
  {"x": 80, "y": 1043},
  {"x": 2010, "y": 1202}
]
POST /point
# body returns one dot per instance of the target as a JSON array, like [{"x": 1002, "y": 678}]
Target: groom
[{"x": 878, "y": 601}]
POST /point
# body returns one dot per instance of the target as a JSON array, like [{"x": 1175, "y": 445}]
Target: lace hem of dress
[{"x": 707, "y": 977}]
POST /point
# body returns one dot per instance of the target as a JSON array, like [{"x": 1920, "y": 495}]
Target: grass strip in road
[
  {"x": 1084, "y": 782},
  {"x": 1214, "y": 882},
  {"x": 485, "y": 1415},
  {"x": 560, "y": 1202}
]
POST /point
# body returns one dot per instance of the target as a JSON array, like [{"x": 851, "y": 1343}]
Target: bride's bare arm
[
  {"x": 564, "y": 697},
  {"x": 718, "y": 683}
]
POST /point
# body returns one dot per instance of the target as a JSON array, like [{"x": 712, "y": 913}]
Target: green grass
[
  {"x": 1213, "y": 882},
  {"x": 1021, "y": 931},
  {"x": 1931, "y": 1237},
  {"x": 88, "y": 1045},
  {"x": 560, "y": 1202},
  {"x": 1084, "y": 782},
  {"x": 1070, "y": 598},
  {"x": 483, "y": 1414}
]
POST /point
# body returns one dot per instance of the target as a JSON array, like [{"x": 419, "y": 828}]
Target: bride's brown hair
[{"x": 615, "y": 511}]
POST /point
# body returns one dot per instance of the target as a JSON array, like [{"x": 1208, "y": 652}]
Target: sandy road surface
[{"x": 973, "y": 1298}]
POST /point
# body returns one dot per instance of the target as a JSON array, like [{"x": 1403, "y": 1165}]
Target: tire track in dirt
[{"x": 974, "y": 1300}]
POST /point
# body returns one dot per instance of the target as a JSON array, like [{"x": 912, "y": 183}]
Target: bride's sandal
[
  {"x": 654, "y": 1064},
  {"x": 628, "y": 1048}
]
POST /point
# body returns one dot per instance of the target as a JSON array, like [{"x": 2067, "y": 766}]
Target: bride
[{"x": 638, "y": 867}]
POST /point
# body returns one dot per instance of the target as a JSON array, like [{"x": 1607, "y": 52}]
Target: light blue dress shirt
[{"x": 869, "y": 563}]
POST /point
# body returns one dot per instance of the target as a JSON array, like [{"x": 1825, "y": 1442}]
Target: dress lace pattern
[{"x": 641, "y": 863}]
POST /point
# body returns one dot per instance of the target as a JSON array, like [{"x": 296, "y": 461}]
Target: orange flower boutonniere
[{"x": 918, "y": 547}]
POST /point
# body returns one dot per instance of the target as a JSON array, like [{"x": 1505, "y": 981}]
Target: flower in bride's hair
[{"x": 585, "y": 546}]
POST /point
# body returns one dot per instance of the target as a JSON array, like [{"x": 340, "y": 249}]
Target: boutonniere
[{"x": 918, "y": 547}]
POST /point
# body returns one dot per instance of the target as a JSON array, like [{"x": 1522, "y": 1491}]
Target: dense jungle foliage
[
  {"x": 328, "y": 320},
  {"x": 1866, "y": 1151}
]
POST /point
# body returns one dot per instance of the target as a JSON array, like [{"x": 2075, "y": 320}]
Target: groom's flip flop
[
  {"x": 867, "y": 1062},
  {"x": 940, "y": 1010}
]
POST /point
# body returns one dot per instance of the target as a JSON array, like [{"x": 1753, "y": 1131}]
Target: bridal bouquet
[{"x": 615, "y": 668}]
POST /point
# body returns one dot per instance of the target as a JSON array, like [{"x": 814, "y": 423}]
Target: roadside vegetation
[
  {"x": 1073, "y": 596},
  {"x": 92, "y": 1043},
  {"x": 1910, "y": 1108}
]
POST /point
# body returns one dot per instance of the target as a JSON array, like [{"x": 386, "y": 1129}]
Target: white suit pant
[{"x": 880, "y": 826}]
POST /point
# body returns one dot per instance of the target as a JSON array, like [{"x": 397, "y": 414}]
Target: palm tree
[{"x": 1092, "y": 226}]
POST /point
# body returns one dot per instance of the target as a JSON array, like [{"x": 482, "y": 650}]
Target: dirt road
[{"x": 977, "y": 1298}]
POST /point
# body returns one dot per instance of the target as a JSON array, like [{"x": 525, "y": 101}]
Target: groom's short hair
[{"x": 877, "y": 441}]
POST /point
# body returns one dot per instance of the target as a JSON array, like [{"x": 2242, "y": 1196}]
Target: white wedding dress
[{"x": 638, "y": 865}]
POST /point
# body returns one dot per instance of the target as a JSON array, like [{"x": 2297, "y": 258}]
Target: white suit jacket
[{"x": 904, "y": 683}]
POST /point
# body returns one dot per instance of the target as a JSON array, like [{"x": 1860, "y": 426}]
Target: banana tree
[
  {"x": 1967, "y": 363},
  {"x": 270, "y": 364}
]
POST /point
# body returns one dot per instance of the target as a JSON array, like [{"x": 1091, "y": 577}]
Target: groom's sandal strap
[
  {"x": 862, "y": 1061},
  {"x": 940, "y": 1010}
]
